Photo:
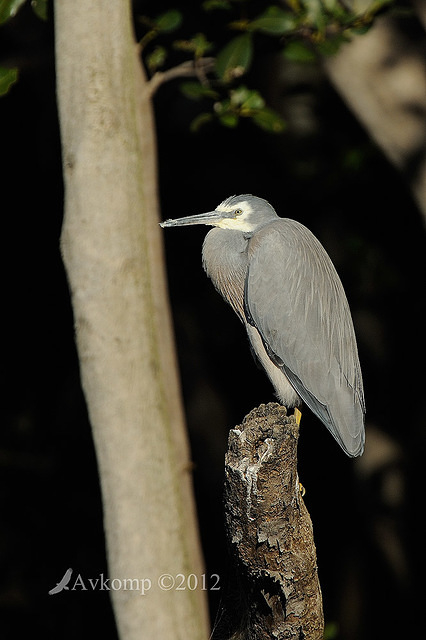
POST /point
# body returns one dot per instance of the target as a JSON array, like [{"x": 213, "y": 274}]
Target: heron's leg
[
  {"x": 300, "y": 486},
  {"x": 298, "y": 415}
]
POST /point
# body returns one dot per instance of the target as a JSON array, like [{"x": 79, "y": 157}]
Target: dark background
[{"x": 323, "y": 171}]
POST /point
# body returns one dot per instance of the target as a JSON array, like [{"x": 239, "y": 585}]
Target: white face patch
[{"x": 238, "y": 222}]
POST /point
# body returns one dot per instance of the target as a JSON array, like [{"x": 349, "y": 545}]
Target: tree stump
[{"x": 270, "y": 531}]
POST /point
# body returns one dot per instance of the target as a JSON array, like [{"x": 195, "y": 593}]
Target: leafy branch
[
  {"x": 8, "y": 10},
  {"x": 304, "y": 31}
]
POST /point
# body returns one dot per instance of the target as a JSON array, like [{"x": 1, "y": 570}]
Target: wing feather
[{"x": 295, "y": 299}]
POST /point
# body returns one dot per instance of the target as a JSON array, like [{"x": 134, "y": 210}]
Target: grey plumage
[{"x": 282, "y": 284}]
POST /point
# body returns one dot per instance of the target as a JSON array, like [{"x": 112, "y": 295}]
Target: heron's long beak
[{"x": 209, "y": 218}]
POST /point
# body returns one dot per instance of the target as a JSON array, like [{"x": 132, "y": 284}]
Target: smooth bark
[{"x": 113, "y": 256}]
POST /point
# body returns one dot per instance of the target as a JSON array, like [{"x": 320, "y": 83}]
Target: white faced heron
[{"x": 282, "y": 284}]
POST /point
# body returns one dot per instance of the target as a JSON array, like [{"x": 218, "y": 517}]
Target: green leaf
[
  {"x": 193, "y": 90},
  {"x": 198, "y": 45},
  {"x": 156, "y": 58},
  {"x": 268, "y": 120},
  {"x": 377, "y": 5},
  {"x": 199, "y": 121},
  {"x": 354, "y": 159},
  {"x": 211, "y": 5},
  {"x": 229, "y": 120},
  {"x": 331, "y": 631},
  {"x": 361, "y": 30},
  {"x": 247, "y": 99},
  {"x": 8, "y": 77},
  {"x": 332, "y": 45},
  {"x": 275, "y": 22},
  {"x": 314, "y": 12},
  {"x": 329, "y": 5},
  {"x": 298, "y": 52},
  {"x": 168, "y": 21},
  {"x": 201, "y": 45},
  {"x": 235, "y": 58},
  {"x": 9, "y": 9},
  {"x": 253, "y": 101},
  {"x": 239, "y": 95},
  {"x": 342, "y": 13},
  {"x": 197, "y": 91},
  {"x": 222, "y": 107},
  {"x": 40, "y": 8}
]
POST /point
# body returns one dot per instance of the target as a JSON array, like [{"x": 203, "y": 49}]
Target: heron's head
[{"x": 240, "y": 213}]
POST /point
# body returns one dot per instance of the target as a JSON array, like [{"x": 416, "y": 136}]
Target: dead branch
[{"x": 269, "y": 529}]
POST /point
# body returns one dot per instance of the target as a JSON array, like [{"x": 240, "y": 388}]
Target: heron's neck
[{"x": 225, "y": 262}]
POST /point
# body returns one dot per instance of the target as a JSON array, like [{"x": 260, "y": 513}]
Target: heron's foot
[
  {"x": 300, "y": 486},
  {"x": 298, "y": 415}
]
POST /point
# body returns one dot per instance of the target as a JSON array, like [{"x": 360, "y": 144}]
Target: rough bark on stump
[{"x": 269, "y": 528}]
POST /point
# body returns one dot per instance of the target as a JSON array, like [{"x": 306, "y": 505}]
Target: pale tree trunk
[
  {"x": 382, "y": 77},
  {"x": 112, "y": 252}
]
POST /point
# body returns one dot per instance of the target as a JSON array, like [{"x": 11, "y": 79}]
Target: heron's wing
[{"x": 295, "y": 299}]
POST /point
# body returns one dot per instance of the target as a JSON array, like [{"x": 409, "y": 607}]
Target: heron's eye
[{"x": 238, "y": 212}]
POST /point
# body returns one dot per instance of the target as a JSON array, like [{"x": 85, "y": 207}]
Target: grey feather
[{"x": 295, "y": 299}]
